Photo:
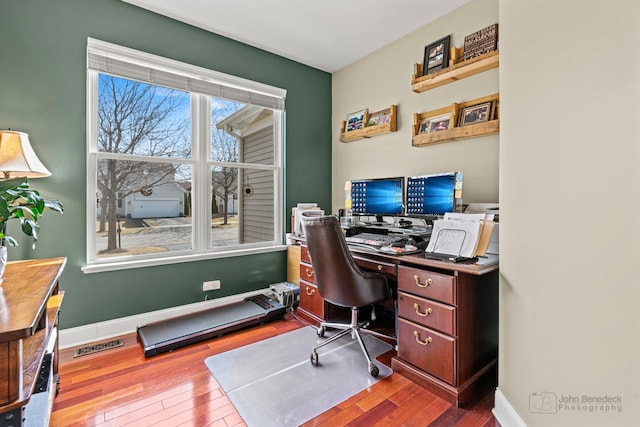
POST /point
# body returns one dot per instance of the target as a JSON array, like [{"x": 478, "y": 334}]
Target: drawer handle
[
  {"x": 425, "y": 342},
  {"x": 420, "y": 285},
  {"x": 310, "y": 291},
  {"x": 308, "y": 272},
  {"x": 379, "y": 267},
  {"x": 427, "y": 312}
]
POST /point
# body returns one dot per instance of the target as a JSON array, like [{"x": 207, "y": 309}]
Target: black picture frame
[{"x": 436, "y": 56}]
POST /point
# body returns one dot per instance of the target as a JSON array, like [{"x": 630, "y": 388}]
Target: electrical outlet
[{"x": 211, "y": 285}]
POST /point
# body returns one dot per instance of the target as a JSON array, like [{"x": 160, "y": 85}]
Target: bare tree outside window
[
  {"x": 141, "y": 120},
  {"x": 162, "y": 187}
]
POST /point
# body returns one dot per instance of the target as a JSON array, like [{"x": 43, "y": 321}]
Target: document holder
[
  {"x": 460, "y": 237},
  {"x": 447, "y": 245},
  {"x": 447, "y": 257}
]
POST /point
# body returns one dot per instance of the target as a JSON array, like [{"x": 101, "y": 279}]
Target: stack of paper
[
  {"x": 464, "y": 235},
  {"x": 296, "y": 216}
]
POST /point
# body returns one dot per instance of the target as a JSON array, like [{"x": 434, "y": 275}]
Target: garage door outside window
[{"x": 176, "y": 173}]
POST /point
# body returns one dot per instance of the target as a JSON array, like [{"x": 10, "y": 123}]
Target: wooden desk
[
  {"x": 447, "y": 319},
  {"x": 29, "y": 303}
]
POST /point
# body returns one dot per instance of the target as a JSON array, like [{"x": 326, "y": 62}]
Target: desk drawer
[
  {"x": 306, "y": 273},
  {"x": 427, "y": 313},
  {"x": 304, "y": 254},
  {"x": 310, "y": 299},
  {"x": 427, "y": 284},
  {"x": 427, "y": 349},
  {"x": 388, "y": 269}
]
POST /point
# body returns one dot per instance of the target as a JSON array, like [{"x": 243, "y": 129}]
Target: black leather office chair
[{"x": 341, "y": 282}]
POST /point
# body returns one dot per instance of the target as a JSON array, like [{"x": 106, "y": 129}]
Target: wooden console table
[
  {"x": 29, "y": 303},
  {"x": 447, "y": 319}
]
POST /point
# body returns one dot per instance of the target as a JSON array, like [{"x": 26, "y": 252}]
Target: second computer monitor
[
  {"x": 432, "y": 195},
  {"x": 383, "y": 196}
]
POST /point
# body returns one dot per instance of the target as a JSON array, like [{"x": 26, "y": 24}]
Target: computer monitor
[
  {"x": 432, "y": 195},
  {"x": 379, "y": 197}
]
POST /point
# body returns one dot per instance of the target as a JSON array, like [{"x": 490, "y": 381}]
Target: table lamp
[{"x": 17, "y": 158}]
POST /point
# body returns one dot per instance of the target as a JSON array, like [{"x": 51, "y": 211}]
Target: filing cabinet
[
  {"x": 447, "y": 330},
  {"x": 311, "y": 302},
  {"x": 313, "y": 307}
]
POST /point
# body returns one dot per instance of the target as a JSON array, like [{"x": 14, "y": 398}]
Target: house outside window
[{"x": 184, "y": 163}]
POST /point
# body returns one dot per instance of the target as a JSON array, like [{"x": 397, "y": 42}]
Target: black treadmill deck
[{"x": 167, "y": 335}]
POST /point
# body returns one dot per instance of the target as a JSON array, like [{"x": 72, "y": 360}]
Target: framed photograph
[
  {"x": 355, "y": 120},
  {"x": 424, "y": 126},
  {"x": 373, "y": 120},
  {"x": 476, "y": 113},
  {"x": 436, "y": 56},
  {"x": 440, "y": 123}
]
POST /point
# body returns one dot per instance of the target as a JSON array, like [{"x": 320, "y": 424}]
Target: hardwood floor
[{"x": 120, "y": 387}]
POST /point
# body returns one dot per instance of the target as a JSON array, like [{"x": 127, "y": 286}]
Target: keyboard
[{"x": 374, "y": 239}]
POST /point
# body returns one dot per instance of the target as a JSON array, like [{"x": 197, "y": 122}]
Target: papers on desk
[
  {"x": 403, "y": 250},
  {"x": 308, "y": 209},
  {"x": 461, "y": 235}
]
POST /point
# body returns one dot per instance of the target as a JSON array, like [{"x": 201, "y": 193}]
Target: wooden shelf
[
  {"x": 456, "y": 132},
  {"x": 454, "y": 72},
  {"x": 369, "y": 131}
]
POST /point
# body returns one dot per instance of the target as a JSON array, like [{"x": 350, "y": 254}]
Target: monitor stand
[{"x": 379, "y": 222}]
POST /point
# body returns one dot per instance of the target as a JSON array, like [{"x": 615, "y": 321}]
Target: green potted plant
[{"x": 19, "y": 201}]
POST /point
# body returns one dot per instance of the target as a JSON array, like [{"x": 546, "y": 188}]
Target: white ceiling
[{"x": 325, "y": 34}]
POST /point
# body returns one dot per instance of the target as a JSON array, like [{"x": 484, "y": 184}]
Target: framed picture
[
  {"x": 378, "y": 119},
  {"x": 439, "y": 123},
  {"x": 374, "y": 119},
  {"x": 355, "y": 120},
  {"x": 424, "y": 126},
  {"x": 480, "y": 42},
  {"x": 476, "y": 113},
  {"x": 436, "y": 56}
]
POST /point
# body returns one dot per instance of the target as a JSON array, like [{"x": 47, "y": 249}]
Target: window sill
[{"x": 124, "y": 265}]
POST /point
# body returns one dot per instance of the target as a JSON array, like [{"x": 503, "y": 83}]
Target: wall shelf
[
  {"x": 372, "y": 130},
  {"x": 458, "y": 71},
  {"x": 456, "y": 132}
]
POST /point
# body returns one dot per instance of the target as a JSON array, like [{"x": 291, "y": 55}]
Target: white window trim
[{"x": 200, "y": 161}]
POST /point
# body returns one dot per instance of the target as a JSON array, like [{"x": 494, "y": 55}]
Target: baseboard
[
  {"x": 505, "y": 413},
  {"x": 73, "y": 337}
]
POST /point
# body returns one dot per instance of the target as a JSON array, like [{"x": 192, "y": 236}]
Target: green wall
[{"x": 43, "y": 93}]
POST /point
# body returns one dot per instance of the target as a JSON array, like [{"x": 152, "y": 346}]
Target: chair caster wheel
[
  {"x": 314, "y": 358},
  {"x": 374, "y": 371},
  {"x": 321, "y": 331}
]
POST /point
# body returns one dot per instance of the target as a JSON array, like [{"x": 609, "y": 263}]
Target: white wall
[
  {"x": 384, "y": 78},
  {"x": 568, "y": 158},
  {"x": 569, "y": 200}
]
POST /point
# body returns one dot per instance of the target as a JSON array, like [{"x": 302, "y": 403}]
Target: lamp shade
[{"x": 17, "y": 158}]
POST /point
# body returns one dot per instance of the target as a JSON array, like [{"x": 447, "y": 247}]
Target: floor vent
[{"x": 89, "y": 349}]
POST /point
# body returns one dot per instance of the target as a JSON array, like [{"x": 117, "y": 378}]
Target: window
[{"x": 184, "y": 163}]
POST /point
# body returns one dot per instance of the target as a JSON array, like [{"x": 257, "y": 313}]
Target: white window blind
[{"x": 120, "y": 61}]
